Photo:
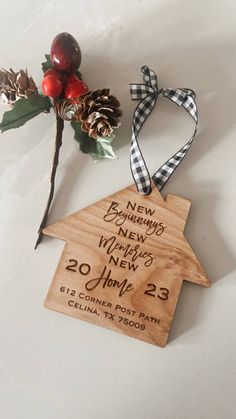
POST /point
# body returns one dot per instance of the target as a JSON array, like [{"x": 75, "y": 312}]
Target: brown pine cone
[
  {"x": 14, "y": 86},
  {"x": 99, "y": 113}
]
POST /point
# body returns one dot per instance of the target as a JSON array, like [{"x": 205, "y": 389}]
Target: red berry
[
  {"x": 51, "y": 86},
  {"x": 75, "y": 88},
  {"x": 53, "y": 72},
  {"x": 72, "y": 77},
  {"x": 65, "y": 52}
]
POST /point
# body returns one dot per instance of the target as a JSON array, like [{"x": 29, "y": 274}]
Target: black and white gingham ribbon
[{"x": 148, "y": 94}]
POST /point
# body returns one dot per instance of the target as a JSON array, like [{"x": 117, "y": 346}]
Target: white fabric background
[{"x": 56, "y": 367}]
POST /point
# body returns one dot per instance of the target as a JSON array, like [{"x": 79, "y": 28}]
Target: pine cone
[
  {"x": 98, "y": 113},
  {"x": 14, "y": 86}
]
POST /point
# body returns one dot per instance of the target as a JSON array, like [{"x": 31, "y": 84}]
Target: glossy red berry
[
  {"x": 75, "y": 87},
  {"x": 53, "y": 72},
  {"x": 51, "y": 86},
  {"x": 65, "y": 52},
  {"x": 72, "y": 77}
]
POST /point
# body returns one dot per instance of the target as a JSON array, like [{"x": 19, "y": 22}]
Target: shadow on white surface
[{"x": 213, "y": 253}]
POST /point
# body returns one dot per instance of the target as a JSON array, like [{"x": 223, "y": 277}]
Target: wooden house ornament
[{"x": 123, "y": 264}]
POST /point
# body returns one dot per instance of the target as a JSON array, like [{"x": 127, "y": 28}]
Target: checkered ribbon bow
[{"x": 148, "y": 93}]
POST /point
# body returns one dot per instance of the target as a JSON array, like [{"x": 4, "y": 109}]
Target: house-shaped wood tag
[{"x": 124, "y": 262}]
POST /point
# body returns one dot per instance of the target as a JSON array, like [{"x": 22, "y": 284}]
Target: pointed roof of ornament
[{"x": 130, "y": 216}]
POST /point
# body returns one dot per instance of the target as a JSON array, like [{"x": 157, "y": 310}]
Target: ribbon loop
[
  {"x": 149, "y": 88},
  {"x": 183, "y": 97},
  {"x": 149, "y": 77},
  {"x": 148, "y": 94}
]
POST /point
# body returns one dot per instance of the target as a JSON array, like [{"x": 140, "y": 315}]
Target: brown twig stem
[{"x": 58, "y": 143}]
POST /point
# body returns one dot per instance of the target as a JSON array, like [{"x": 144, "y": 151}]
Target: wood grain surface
[{"x": 124, "y": 262}]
